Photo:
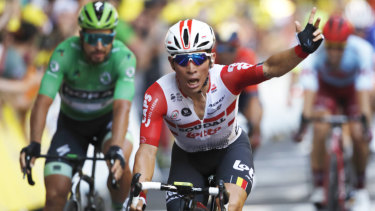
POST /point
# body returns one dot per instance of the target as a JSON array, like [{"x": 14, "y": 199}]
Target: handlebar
[
  {"x": 333, "y": 120},
  {"x": 338, "y": 119},
  {"x": 182, "y": 188},
  {"x": 70, "y": 158}
]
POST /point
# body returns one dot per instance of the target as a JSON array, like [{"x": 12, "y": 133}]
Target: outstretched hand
[{"x": 311, "y": 36}]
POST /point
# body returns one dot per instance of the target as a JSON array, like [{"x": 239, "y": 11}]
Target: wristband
[
  {"x": 115, "y": 152},
  {"x": 142, "y": 196},
  {"x": 299, "y": 52}
]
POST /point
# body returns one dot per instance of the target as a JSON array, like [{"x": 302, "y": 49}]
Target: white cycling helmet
[
  {"x": 359, "y": 13},
  {"x": 188, "y": 36}
]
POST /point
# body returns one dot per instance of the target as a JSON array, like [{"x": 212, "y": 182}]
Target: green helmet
[{"x": 98, "y": 15}]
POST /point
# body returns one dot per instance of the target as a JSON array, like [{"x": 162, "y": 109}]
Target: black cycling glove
[
  {"x": 33, "y": 149},
  {"x": 115, "y": 152},
  {"x": 306, "y": 37}
]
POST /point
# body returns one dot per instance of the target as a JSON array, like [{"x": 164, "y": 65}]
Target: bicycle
[
  {"x": 187, "y": 190},
  {"x": 75, "y": 201},
  {"x": 338, "y": 183}
]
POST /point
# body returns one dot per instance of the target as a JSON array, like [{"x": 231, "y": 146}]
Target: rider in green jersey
[{"x": 94, "y": 75}]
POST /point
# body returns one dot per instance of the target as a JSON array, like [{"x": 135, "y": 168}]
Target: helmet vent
[
  {"x": 171, "y": 48},
  {"x": 186, "y": 37},
  {"x": 90, "y": 25},
  {"x": 99, "y": 7},
  {"x": 88, "y": 16},
  {"x": 203, "y": 44},
  {"x": 109, "y": 16},
  {"x": 196, "y": 39},
  {"x": 176, "y": 42}
]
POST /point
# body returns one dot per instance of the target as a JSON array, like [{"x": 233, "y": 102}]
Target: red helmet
[{"x": 337, "y": 29}]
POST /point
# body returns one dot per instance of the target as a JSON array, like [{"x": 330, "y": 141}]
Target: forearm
[
  {"x": 121, "y": 110},
  {"x": 281, "y": 63},
  {"x": 145, "y": 161},
  {"x": 38, "y": 117},
  {"x": 308, "y": 103},
  {"x": 364, "y": 104}
]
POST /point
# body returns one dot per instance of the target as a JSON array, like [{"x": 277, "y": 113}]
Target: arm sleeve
[
  {"x": 54, "y": 74},
  {"x": 154, "y": 108},
  {"x": 238, "y": 76},
  {"x": 125, "y": 82},
  {"x": 309, "y": 76},
  {"x": 364, "y": 81}
]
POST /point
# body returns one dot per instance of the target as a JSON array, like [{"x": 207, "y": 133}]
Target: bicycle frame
[
  {"x": 336, "y": 190},
  {"x": 75, "y": 199},
  {"x": 185, "y": 189},
  {"x": 336, "y": 149}
]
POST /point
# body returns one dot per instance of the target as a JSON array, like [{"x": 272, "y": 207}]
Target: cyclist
[
  {"x": 229, "y": 50},
  {"x": 94, "y": 75},
  {"x": 198, "y": 102},
  {"x": 338, "y": 77}
]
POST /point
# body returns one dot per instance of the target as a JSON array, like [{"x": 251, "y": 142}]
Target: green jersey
[{"x": 87, "y": 90}]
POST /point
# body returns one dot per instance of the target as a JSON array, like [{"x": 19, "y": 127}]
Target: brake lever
[
  {"x": 27, "y": 171},
  {"x": 114, "y": 183}
]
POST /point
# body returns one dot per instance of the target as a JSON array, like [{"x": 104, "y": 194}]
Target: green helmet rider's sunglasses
[{"x": 93, "y": 38}]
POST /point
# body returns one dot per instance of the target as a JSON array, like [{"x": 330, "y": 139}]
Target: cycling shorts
[
  {"x": 73, "y": 137},
  {"x": 233, "y": 164},
  {"x": 333, "y": 98},
  {"x": 245, "y": 97}
]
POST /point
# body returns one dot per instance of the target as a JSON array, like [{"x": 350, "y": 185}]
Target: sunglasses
[
  {"x": 197, "y": 58},
  {"x": 335, "y": 45},
  {"x": 93, "y": 39}
]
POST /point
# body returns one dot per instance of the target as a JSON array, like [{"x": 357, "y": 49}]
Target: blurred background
[{"x": 31, "y": 29}]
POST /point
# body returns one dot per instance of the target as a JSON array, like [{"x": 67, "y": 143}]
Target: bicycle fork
[{"x": 336, "y": 149}]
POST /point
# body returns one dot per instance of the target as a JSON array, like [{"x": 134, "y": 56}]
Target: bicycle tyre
[
  {"x": 71, "y": 205},
  {"x": 333, "y": 188}
]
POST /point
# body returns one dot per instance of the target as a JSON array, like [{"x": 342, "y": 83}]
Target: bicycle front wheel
[
  {"x": 71, "y": 205},
  {"x": 333, "y": 188}
]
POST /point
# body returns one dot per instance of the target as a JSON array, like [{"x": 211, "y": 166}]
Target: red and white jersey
[{"x": 164, "y": 101}]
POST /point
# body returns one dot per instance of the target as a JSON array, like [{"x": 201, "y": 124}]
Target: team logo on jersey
[
  {"x": 173, "y": 97},
  {"x": 130, "y": 72},
  {"x": 179, "y": 96},
  {"x": 174, "y": 114},
  {"x": 147, "y": 110},
  {"x": 186, "y": 112},
  {"x": 54, "y": 66},
  {"x": 105, "y": 78},
  {"x": 214, "y": 88},
  {"x": 238, "y": 66},
  {"x": 61, "y": 51}
]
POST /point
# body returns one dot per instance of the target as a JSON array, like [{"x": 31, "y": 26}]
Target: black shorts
[
  {"x": 244, "y": 99},
  {"x": 233, "y": 164},
  {"x": 74, "y": 136}
]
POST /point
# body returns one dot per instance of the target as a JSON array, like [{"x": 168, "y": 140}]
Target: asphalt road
[{"x": 282, "y": 179}]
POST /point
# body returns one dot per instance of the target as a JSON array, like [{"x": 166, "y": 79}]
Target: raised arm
[{"x": 310, "y": 38}]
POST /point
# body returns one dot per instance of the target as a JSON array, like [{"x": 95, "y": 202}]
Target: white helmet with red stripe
[{"x": 188, "y": 36}]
